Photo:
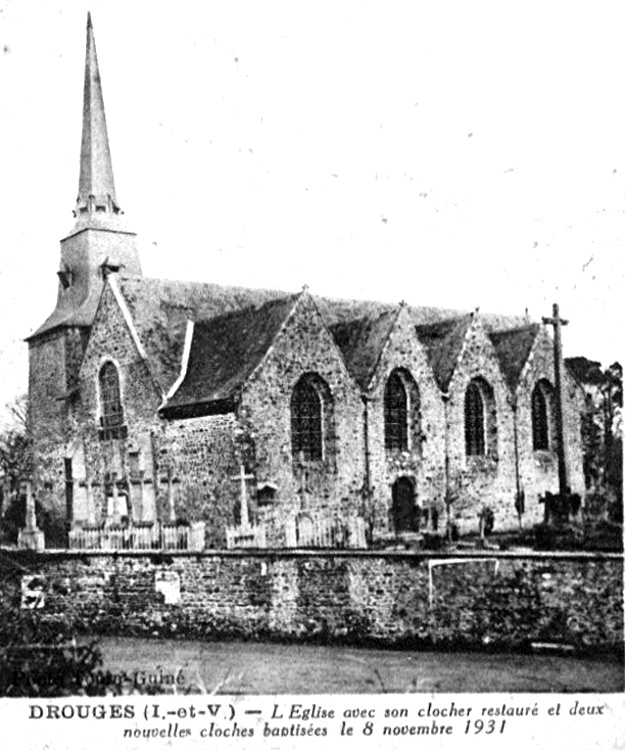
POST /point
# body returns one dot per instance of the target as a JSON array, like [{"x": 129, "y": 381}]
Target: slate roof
[
  {"x": 513, "y": 347},
  {"x": 234, "y": 327},
  {"x": 443, "y": 342},
  {"x": 225, "y": 351},
  {"x": 361, "y": 328},
  {"x": 361, "y": 342},
  {"x": 160, "y": 309},
  {"x": 68, "y": 315}
]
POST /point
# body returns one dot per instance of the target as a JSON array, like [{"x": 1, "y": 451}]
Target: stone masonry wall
[
  {"x": 539, "y": 469},
  {"x": 335, "y": 483},
  {"x": 205, "y": 456},
  {"x": 502, "y": 600},
  {"x": 479, "y": 481},
  {"x": 134, "y": 458},
  {"x": 54, "y": 361},
  {"x": 424, "y": 461}
]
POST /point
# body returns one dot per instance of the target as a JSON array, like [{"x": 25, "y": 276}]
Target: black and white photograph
[{"x": 311, "y": 399}]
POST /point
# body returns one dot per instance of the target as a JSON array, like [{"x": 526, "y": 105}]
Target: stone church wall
[
  {"x": 54, "y": 362},
  {"x": 539, "y": 469},
  {"x": 190, "y": 464},
  {"x": 388, "y": 598},
  {"x": 133, "y": 456},
  {"x": 424, "y": 461},
  {"x": 204, "y": 456},
  {"x": 479, "y": 481},
  {"x": 333, "y": 485}
]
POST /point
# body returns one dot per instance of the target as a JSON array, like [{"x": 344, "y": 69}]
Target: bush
[{"x": 42, "y": 659}]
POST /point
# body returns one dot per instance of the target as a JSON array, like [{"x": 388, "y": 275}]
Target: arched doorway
[{"x": 404, "y": 509}]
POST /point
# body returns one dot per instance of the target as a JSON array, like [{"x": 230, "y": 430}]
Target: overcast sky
[{"x": 456, "y": 154}]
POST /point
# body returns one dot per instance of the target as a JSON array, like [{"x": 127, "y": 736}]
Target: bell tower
[
  {"x": 99, "y": 241},
  {"x": 100, "y": 236}
]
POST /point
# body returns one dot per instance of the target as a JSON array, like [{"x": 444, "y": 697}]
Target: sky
[{"x": 448, "y": 154}]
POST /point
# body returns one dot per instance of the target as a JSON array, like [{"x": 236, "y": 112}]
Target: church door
[{"x": 404, "y": 516}]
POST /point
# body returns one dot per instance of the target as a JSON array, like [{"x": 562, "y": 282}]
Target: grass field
[{"x": 270, "y": 668}]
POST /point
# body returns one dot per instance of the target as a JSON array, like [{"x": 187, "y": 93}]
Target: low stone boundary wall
[{"x": 393, "y": 598}]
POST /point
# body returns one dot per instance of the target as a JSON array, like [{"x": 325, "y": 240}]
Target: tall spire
[{"x": 97, "y": 202}]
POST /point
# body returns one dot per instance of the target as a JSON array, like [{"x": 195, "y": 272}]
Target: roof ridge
[{"x": 246, "y": 309}]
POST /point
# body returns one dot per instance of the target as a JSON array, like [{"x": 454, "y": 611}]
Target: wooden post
[
  {"x": 558, "y": 364},
  {"x": 241, "y": 478}
]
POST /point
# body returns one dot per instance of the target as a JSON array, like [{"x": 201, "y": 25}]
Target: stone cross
[
  {"x": 31, "y": 519},
  {"x": 171, "y": 505},
  {"x": 242, "y": 478},
  {"x": 30, "y": 537},
  {"x": 558, "y": 366}
]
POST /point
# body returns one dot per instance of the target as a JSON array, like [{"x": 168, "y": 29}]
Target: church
[{"x": 209, "y": 417}]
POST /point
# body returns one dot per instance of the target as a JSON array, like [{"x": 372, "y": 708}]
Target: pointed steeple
[
  {"x": 100, "y": 242},
  {"x": 96, "y": 201}
]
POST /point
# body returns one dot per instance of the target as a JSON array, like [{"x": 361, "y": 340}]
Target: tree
[
  {"x": 15, "y": 465},
  {"x": 612, "y": 392},
  {"x": 602, "y": 432}
]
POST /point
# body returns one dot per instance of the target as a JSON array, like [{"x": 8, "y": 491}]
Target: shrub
[{"x": 42, "y": 659}]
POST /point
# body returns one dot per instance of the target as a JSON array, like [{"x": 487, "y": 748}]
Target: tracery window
[
  {"x": 310, "y": 403},
  {"x": 474, "y": 434},
  {"x": 111, "y": 410},
  {"x": 542, "y": 416},
  {"x": 402, "y": 412},
  {"x": 395, "y": 413}
]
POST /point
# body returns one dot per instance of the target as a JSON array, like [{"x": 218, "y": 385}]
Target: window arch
[
  {"x": 395, "y": 413},
  {"x": 480, "y": 419},
  {"x": 310, "y": 418},
  {"x": 111, "y": 410},
  {"x": 542, "y": 416},
  {"x": 401, "y": 411}
]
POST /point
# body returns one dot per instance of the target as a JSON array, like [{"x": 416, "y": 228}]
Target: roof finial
[{"x": 96, "y": 186}]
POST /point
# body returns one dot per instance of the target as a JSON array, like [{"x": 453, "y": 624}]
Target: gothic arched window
[
  {"x": 402, "y": 412},
  {"x": 310, "y": 403},
  {"x": 111, "y": 410},
  {"x": 474, "y": 434},
  {"x": 395, "y": 413},
  {"x": 480, "y": 419},
  {"x": 542, "y": 416}
]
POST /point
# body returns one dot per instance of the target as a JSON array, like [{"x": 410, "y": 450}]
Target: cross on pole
[
  {"x": 558, "y": 366},
  {"x": 241, "y": 478}
]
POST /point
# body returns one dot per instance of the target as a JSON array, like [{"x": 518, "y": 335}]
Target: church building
[{"x": 253, "y": 417}]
